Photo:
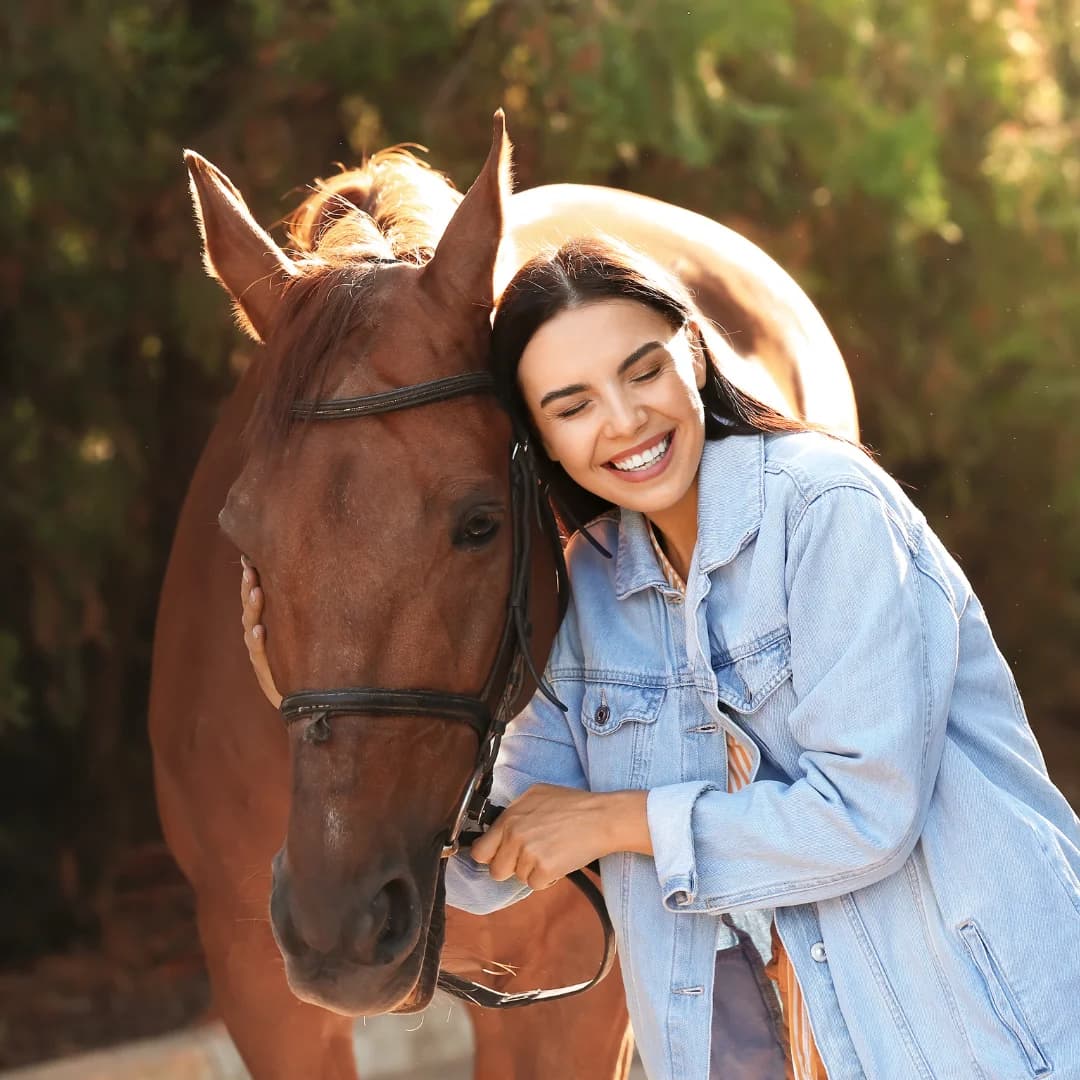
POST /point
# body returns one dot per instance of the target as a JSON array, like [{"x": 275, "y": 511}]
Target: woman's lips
[{"x": 636, "y": 476}]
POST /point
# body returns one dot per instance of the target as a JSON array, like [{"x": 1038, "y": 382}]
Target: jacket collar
[{"x": 731, "y": 500}]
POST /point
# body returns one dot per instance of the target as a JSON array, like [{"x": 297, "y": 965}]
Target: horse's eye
[{"x": 476, "y": 529}]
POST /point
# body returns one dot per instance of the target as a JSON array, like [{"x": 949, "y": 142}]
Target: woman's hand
[
  {"x": 552, "y": 830},
  {"x": 251, "y": 596}
]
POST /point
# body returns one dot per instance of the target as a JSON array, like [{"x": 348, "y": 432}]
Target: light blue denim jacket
[{"x": 923, "y": 869}]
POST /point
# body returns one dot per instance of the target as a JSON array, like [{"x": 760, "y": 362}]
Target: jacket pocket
[
  {"x": 746, "y": 676},
  {"x": 1002, "y": 998},
  {"x": 607, "y": 706}
]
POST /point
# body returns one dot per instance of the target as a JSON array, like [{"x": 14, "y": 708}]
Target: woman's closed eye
[
  {"x": 571, "y": 410},
  {"x": 646, "y": 376},
  {"x": 650, "y": 372}
]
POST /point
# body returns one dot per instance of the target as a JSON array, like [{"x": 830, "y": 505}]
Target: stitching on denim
[
  {"x": 592, "y": 675},
  {"x": 669, "y": 1018},
  {"x": 881, "y": 979},
  {"x": 928, "y": 701},
  {"x": 640, "y": 754},
  {"x": 644, "y": 708},
  {"x": 626, "y": 869},
  {"x": 929, "y": 571},
  {"x": 755, "y": 695},
  {"x": 757, "y": 645},
  {"x": 854, "y": 484},
  {"x": 998, "y": 976},
  {"x": 1054, "y": 870},
  {"x": 911, "y": 876}
]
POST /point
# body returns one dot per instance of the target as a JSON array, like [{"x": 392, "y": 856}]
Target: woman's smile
[{"x": 645, "y": 461}]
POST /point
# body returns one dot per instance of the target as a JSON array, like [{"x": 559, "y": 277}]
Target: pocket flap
[
  {"x": 606, "y": 706},
  {"x": 746, "y": 676}
]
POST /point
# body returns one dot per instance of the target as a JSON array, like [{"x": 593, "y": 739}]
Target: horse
[{"x": 385, "y": 552}]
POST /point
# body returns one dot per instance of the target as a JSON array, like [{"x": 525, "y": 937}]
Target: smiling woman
[
  {"x": 632, "y": 432},
  {"x": 789, "y": 734},
  {"x": 608, "y": 362}
]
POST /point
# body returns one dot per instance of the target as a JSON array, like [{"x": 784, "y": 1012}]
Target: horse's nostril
[
  {"x": 290, "y": 939},
  {"x": 396, "y": 915},
  {"x": 346, "y": 926}
]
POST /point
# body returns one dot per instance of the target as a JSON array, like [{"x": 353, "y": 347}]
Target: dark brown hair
[{"x": 589, "y": 270}]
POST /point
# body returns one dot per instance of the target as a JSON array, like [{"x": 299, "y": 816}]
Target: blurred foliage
[{"x": 913, "y": 163}]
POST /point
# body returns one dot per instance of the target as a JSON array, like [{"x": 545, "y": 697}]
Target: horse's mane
[{"x": 393, "y": 208}]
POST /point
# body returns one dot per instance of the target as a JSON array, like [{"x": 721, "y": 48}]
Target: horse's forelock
[
  {"x": 395, "y": 203},
  {"x": 394, "y": 207}
]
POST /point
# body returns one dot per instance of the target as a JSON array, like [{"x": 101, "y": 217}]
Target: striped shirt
[{"x": 805, "y": 1062}]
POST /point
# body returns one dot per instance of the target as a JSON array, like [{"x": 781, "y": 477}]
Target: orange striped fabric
[{"x": 805, "y": 1064}]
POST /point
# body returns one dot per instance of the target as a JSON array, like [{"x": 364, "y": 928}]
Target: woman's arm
[{"x": 873, "y": 702}]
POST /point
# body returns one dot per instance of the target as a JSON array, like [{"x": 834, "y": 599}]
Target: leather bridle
[{"x": 490, "y": 712}]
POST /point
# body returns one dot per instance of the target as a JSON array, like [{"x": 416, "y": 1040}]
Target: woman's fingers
[
  {"x": 251, "y": 597},
  {"x": 248, "y": 577},
  {"x": 538, "y": 882}
]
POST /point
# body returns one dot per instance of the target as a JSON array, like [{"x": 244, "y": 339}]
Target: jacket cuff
[
  {"x": 670, "y": 811},
  {"x": 470, "y": 887}
]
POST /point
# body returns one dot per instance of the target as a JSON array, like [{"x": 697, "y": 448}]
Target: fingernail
[{"x": 251, "y": 595}]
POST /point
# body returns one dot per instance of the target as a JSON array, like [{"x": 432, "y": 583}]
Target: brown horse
[{"x": 384, "y": 551}]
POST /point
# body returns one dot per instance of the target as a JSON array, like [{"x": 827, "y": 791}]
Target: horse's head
[{"x": 383, "y": 545}]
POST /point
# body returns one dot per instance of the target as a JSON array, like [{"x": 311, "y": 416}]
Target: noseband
[{"x": 490, "y": 712}]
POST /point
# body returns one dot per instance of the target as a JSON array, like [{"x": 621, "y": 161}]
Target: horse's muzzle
[{"x": 354, "y": 947}]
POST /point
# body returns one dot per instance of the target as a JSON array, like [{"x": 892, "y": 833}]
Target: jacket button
[
  {"x": 603, "y": 714},
  {"x": 817, "y": 952}
]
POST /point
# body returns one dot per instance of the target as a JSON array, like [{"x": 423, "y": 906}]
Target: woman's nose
[{"x": 624, "y": 416}]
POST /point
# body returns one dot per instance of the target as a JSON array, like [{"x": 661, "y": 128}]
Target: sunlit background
[{"x": 913, "y": 163}]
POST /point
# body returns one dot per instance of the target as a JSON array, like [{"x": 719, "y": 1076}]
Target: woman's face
[{"x": 613, "y": 392}]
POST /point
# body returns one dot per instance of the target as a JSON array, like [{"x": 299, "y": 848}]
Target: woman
[{"x": 785, "y": 711}]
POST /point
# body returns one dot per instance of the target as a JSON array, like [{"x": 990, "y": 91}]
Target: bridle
[{"x": 490, "y": 712}]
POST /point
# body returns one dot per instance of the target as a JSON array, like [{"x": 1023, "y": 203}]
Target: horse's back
[{"x": 780, "y": 348}]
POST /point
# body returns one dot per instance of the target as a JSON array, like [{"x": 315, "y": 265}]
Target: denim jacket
[{"x": 922, "y": 867}]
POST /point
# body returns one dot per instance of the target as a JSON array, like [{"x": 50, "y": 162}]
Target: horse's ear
[
  {"x": 463, "y": 266},
  {"x": 236, "y": 250}
]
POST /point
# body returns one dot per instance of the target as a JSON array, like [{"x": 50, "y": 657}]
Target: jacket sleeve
[
  {"x": 872, "y": 705},
  {"x": 538, "y": 748}
]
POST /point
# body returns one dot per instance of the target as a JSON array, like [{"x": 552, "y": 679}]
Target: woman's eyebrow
[{"x": 577, "y": 388}]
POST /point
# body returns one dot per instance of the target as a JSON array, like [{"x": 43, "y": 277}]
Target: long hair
[{"x": 589, "y": 270}]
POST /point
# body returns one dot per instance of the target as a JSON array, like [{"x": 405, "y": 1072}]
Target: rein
[{"x": 475, "y": 813}]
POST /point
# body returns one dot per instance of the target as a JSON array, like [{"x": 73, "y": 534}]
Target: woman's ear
[{"x": 699, "y": 351}]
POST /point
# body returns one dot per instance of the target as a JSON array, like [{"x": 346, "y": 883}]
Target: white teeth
[{"x": 640, "y": 461}]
